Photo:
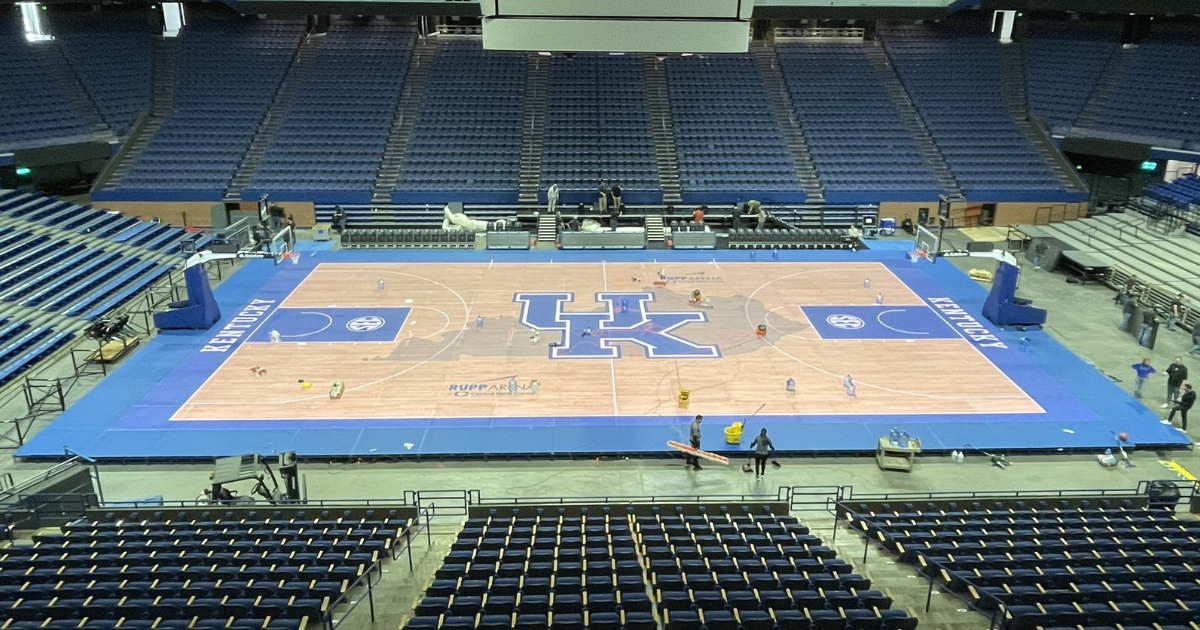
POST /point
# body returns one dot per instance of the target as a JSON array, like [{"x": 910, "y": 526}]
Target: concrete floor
[{"x": 1082, "y": 317}]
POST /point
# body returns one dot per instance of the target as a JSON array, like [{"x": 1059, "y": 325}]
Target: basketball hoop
[
  {"x": 292, "y": 256},
  {"x": 915, "y": 255}
]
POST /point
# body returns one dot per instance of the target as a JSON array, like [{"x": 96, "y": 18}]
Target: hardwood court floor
[{"x": 429, "y": 369}]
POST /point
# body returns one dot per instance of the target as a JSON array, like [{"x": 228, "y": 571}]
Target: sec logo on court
[
  {"x": 845, "y": 322},
  {"x": 365, "y": 324}
]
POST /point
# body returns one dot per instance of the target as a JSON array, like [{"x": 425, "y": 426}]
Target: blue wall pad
[{"x": 608, "y": 315}]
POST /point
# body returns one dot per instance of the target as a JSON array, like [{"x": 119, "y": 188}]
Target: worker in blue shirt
[{"x": 1143, "y": 371}]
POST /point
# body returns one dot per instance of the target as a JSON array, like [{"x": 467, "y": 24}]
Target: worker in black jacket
[{"x": 1182, "y": 405}]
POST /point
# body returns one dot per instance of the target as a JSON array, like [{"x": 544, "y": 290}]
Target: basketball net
[{"x": 292, "y": 256}]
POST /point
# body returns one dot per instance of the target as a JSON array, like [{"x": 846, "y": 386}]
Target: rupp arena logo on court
[{"x": 493, "y": 387}]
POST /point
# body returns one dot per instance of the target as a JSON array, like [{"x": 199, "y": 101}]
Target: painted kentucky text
[
  {"x": 239, "y": 326},
  {"x": 965, "y": 322}
]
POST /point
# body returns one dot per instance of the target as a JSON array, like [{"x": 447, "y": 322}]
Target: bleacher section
[
  {"x": 227, "y": 75},
  {"x": 407, "y": 239},
  {"x": 1155, "y": 101},
  {"x": 1051, "y": 563},
  {"x": 466, "y": 142},
  {"x": 730, "y": 145},
  {"x": 954, "y": 78},
  {"x": 113, "y": 63},
  {"x": 802, "y": 238},
  {"x": 1064, "y": 62},
  {"x": 720, "y": 570},
  {"x": 62, "y": 265},
  {"x": 33, "y": 111},
  {"x": 331, "y": 141},
  {"x": 598, "y": 129},
  {"x": 1167, "y": 263},
  {"x": 861, "y": 148},
  {"x": 208, "y": 574}
]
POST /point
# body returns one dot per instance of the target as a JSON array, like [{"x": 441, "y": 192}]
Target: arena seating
[
  {"x": 717, "y": 570},
  {"x": 333, "y": 135},
  {"x": 58, "y": 279},
  {"x": 860, "y": 146},
  {"x": 228, "y": 73},
  {"x": 729, "y": 143},
  {"x": 1064, "y": 62},
  {"x": 953, "y": 76},
  {"x": 277, "y": 574},
  {"x": 1155, "y": 99},
  {"x": 1050, "y": 563},
  {"x": 598, "y": 129},
  {"x": 33, "y": 112},
  {"x": 466, "y": 142},
  {"x": 1182, "y": 191},
  {"x": 113, "y": 63}
]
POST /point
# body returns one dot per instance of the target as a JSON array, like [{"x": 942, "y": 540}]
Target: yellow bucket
[{"x": 733, "y": 434}]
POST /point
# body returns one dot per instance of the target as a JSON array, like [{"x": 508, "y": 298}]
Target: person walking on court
[
  {"x": 1182, "y": 405},
  {"x": 762, "y": 446},
  {"x": 692, "y": 460},
  {"x": 1175, "y": 311},
  {"x": 1177, "y": 373},
  {"x": 552, "y": 198},
  {"x": 848, "y": 384},
  {"x": 1143, "y": 371}
]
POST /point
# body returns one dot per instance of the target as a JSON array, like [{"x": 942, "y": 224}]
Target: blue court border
[{"x": 126, "y": 416}]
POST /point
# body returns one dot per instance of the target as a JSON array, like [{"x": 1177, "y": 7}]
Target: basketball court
[{"x": 456, "y": 353}]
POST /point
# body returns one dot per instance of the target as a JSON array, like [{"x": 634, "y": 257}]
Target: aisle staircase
[
  {"x": 776, "y": 89},
  {"x": 55, "y": 66},
  {"x": 402, "y": 122},
  {"x": 663, "y": 128},
  {"x": 547, "y": 228},
  {"x": 1110, "y": 79},
  {"x": 276, "y": 113},
  {"x": 162, "y": 101},
  {"x": 537, "y": 79},
  {"x": 912, "y": 120},
  {"x": 1016, "y": 101},
  {"x": 655, "y": 232}
]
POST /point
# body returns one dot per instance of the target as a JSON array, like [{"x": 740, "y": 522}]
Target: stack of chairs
[
  {"x": 755, "y": 572},
  {"x": 798, "y": 238},
  {"x": 466, "y": 141},
  {"x": 730, "y": 145},
  {"x": 566, "y": 573},
  {"x": 274, "y": 574},
  {"x": 1053, "y": 563},
  {"x": 376, "y": 238}
]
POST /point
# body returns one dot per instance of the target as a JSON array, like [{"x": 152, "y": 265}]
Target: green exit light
[
  {"x": 1020, "y": 15},
  {"x": 1149, "y": 165},
  {"x": 1079, "y": 167},
  {"x": 23, "y": 171}
]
